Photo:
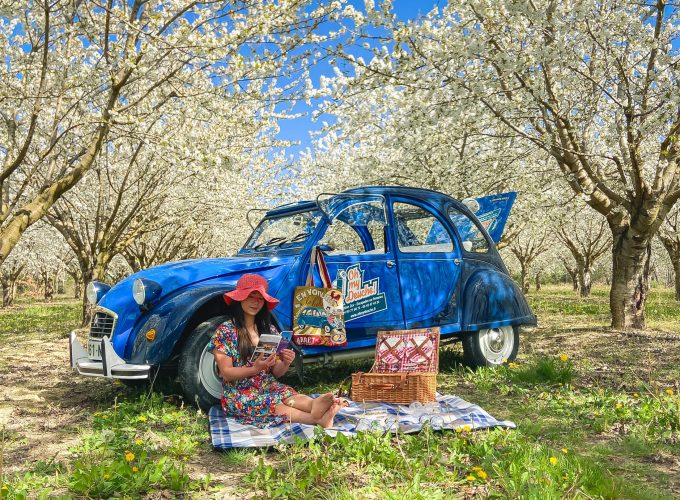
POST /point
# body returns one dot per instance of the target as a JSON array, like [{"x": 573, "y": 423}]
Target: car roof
[{"x": 411, "y": 192}]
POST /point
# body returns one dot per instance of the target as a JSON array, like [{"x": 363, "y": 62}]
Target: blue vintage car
[
  {"x": 311, "y": 316},
  {"x": 403, "y": 258}
]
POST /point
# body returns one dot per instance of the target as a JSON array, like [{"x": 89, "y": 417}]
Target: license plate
[{"x": 94, "y": 349}]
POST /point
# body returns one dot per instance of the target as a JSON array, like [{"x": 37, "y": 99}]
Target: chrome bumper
[{"x": 110, "y": 366}]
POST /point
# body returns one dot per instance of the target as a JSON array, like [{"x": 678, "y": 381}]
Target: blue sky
[{"x": 298, "y": 129}]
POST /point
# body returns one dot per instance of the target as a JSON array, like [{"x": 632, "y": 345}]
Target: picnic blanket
[{"x": 447, "y": 413}]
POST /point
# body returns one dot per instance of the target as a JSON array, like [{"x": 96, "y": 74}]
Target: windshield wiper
[
  {"x": 298, "y": 237},
  {"x": 271, "y": 241}
]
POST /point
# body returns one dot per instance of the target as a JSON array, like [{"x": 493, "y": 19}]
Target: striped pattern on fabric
[{"x": 447, "y": 413}]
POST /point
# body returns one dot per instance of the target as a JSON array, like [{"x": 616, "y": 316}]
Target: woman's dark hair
[{"x": 263, "y": 322}]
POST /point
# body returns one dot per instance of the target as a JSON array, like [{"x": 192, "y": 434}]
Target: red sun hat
[{"x": 247, "y": 284}]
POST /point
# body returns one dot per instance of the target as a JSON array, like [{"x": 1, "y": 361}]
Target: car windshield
[{"x": 290, "y": 230}]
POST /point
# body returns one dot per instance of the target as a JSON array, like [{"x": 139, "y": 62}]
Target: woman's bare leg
[
  {"x": 295, "y": 415},
  {"x": 300, "y": 401},
  {"x": 326, "y": 420},
  {"x": 321, "y": 405},
  {"x": 316, "y": 406}
]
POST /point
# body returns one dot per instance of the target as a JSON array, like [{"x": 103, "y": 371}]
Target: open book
[{"x": 271, "y": 344}]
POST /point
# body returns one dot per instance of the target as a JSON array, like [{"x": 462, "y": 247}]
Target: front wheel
[
  {"x": 197, "y": 369},
  {"x": 491, "y": 346}
]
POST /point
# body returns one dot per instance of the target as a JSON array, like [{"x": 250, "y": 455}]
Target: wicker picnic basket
[{"x": 405, "y": 368}]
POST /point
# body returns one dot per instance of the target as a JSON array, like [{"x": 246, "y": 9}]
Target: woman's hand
[
  {"x": 287, "y": 356},
  {"x": 263, "y": 364}
]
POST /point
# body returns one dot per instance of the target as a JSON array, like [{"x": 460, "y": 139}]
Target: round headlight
[
  {"x": 145, "y": 291},
  {"x": 91, "y": 293},
  {"x": 95, "y": 290},
  {"x": 138, "y": 292}
]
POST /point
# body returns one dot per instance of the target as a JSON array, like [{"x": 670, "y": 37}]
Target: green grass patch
[
  {"x": 596, "y": 418},
  {"x": 46, "y": 321}
]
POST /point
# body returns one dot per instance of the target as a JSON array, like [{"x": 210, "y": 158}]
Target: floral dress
[{"x": 251, "y": 400}]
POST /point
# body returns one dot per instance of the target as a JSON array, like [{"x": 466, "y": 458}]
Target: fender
[
  {"x": 492, "y": 299},
  {"x": 170, "y": 319}
]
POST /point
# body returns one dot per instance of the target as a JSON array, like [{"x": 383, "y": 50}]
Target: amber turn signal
[{"x": 151, "y": 335}]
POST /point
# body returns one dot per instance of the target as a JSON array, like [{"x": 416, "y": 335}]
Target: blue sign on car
[{"x": 403, "y": 258}]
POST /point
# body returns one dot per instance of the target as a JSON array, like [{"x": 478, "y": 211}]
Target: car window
[
  {"x": 359, "y": 222},
  {"x": 470, "y": 234},
  {"x": 342, "y": 238},
  {"x": 418, "y": 230},
  {"x": 290, "y": 230}
]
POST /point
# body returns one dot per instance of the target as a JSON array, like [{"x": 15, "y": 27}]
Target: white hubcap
[
  {"x": 207, "y": 371},
  {"x": 497, "y": 344}
]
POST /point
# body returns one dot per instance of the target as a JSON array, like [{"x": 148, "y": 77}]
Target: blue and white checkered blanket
[{"x": 448, "y": 413}]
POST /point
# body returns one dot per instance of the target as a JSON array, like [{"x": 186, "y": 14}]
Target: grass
[{"x": 597, "y": 414}]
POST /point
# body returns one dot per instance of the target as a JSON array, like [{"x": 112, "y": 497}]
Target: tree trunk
[
  {"x": 538, "y": 281},
  {"x": 585, "y": 282},
  {"x": 630, "y": 280},
  {"x": 525, "y": 277},
  {"x": 676, "y": 268},
  {"x": 672, "y": 246},
  {"x": 7, "y": 295},
  {"x": 77, "y": 289}
]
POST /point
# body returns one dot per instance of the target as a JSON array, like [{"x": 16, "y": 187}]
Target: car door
[
  {"x": 429, "y": 262},
  {"x": 362, "y": 264}
]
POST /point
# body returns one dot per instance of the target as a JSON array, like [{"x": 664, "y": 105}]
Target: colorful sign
[{"x": 361, "y": 297}]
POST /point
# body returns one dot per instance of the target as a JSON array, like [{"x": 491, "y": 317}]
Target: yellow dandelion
[
  {"x": 459, "y": 430},
  {"x": 565, "y": 451},
  {"x": 619, "y": 405},
  {"x": 179, "y": 428},
  {"x": 129, "y": 456},
  {"x": 471, "y": 478},
  {"x": 636, "y": 395},
  {"x": 467, "y": 428},
  {"x": 141, "y": 418},
  {"x": 669, "y": 392},
  {"x": 135, "y": 469},
  {"x": 553, "y": 460},
  {"x": 477, "y": 468},
  {"x": 564, "y": 358},
  {"x": 107, "y": 476},
  {"x": 513, "y": 365},
  {"x": 482, "y": 474},
  {"x": 139, "y": 441}
]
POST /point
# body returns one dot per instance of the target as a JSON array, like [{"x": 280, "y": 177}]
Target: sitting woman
[{"x": 252, "y": 395}]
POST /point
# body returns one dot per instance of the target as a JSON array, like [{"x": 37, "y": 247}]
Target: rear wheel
[
  {"x": 197, "y": 369},
  {"x": 491, "y": 346}
]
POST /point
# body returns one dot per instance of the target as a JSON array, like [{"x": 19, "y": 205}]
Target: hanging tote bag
[{"x": 318, "y": 313}]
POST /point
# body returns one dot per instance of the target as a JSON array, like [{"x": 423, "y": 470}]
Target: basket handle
[{"x": 384, "y": 386}]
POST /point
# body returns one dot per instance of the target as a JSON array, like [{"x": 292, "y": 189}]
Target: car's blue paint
[
  {"x": 456, "y": 290},
  {"x": 498, "y": 301}
]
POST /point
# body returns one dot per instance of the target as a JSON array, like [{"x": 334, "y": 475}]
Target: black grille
[{"x": 102, "y": 324}]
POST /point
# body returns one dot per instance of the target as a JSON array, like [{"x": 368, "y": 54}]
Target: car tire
[
  {"x": 491, "y": 346},
  {"x": 197, "y": 372}
]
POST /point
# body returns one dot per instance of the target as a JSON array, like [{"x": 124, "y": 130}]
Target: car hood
[{"x": 175, "y": 276}]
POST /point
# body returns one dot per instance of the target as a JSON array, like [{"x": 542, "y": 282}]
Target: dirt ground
[{"x": 45, "y": 408}]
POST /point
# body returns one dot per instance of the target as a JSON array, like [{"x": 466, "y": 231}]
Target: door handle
[
  {"x": 390, "y": 264},
  {"x": 456, "y": 262}
]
